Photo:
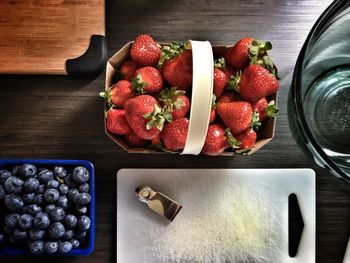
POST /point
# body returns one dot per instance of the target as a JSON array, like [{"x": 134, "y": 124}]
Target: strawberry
[
  {"x": 178, "y": 71},
  {"x": 236, "y": 115},
  {"x": 221, "y": 64},
  {"x": 238, "y": 55},
  {"x": 175, "y": 100},
  {"x": 212, "y": 115},
  {"x": 116, "y": 122},
  {"x": 265, "y": 109},
  {"x": 128, "y": 68},
  {"x": 157, "y": 140},
  {"x": 216, "y": 141},
  {"x": 247, "y": 139},
  {"x": 145, "y": 116},
  {"x": 219, "y": 82},
  {"x": 119, "y": 93},
  {"x": 145, "y": 51},
  {"x": 134, "y": 141},
  {"x": 227, "y": 96},
  {"x": 181, "y": 110},
  {"x": 147, "y": 80},
  {"x": 257, "y": 82},
  {"x": 174, "y": 134}
]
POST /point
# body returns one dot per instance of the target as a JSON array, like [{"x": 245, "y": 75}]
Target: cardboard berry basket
[{"x": 203, "y": 54}]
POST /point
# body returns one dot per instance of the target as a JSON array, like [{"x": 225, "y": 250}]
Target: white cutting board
[{"x": 228, "y": 215}]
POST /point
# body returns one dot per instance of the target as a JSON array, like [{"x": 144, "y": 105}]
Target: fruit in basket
[
  {"x": 178, "y": 70},
  {"x": 132, "y": 139},
  {"x": 238, "y": 55},
  {"x": 175, "y": 100},
  {"x": 219, "y": 82},
  {"x": 147, "y": 80},
  {"x": 265, "y": 109},
  {"x": 257, "y": 82},
  {"x": 174, "y": 134},
  {"x": 116, "y": 122},
  {"x": 119, "y": 93},
  {"x": 247, "y": 139},
  {"x": 128, "y": 68},
  {"x": 236, "y": 115},
  {"x": 216, "y": 141},
  {"x": 145, "y": 51}
]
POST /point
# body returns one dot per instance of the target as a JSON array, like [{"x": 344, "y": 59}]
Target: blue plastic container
[{"x": 50, "y": 163}]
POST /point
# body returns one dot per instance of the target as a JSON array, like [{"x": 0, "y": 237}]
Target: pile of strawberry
[{"x": 150, "y": 103}]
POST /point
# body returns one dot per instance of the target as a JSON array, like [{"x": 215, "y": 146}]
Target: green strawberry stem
[
  {"x": 171, "y": 98},
  {"x": 232, "y": 141},
  {"x": 258, "y": 55},
  {"x": 138, "y": 85},
  {"x": 213, "y": 102},
  {"x": 220, "y": 63},
  {"x": 255, "y": 123},
  {"x": 157, "y": 117},
  {"x": 244, "y": 151},
  {"x": 271, "y": 111},
  {"x": 107, "y": 96},
  {"x": 233, "y": 82},
  {"x": 169, "y": 52}
]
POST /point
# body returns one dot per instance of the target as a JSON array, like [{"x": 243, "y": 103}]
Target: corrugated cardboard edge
[{"x": 265, "y": 134}]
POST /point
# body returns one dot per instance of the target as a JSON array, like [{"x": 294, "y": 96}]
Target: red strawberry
[
  {"x": 134, "y": 141},
  {"x": 227, "y": 96},
  {"x": 246, "y": 138},
  {"x": 181, "y": 110},
  {"x": 238, "y": 55},
  {"x": 128, "y": 68},
  {"x": 178, "y": 71},
  {"x": 119, "y": 93},
  {"x": 116, "y": 122},
  {"x": 175, "y": 101},
  {"x": 174, "y": 134},
  {"x": 236, "y": 115},
  {"x": 229, "y": 71},
  {"x": 265, "y": 109},
  {"x": 212, "y": 116},
  {"x": 145, "y": 51},
  {"x": 143, "y": 115},
  {"x": 147, "y": 80},
  {"x": 156, "y": 140},
  {"x": 257, "y": 82},
  {"x": 219, "y": 82},
  {"x": 216, "y": 141}
]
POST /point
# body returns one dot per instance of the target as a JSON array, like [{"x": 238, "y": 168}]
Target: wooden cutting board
[
  {"x": 227, "y": 215},
  {"x": 39, "y": 36}
]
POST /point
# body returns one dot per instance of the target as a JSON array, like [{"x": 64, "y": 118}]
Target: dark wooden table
[{"x": 58, "y": 117}]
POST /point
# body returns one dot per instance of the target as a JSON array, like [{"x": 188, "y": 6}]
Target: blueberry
[
  {"x": 70, "y": 221},
  {"x": 83, "y": 223},
  {"x": 80, "y": 175},
  {"x": 4, "y": 175},
  {"x": 28, "y": 198},
  {"x": 20, "y": 235},
  {"x": 60, "y": 172},
  {"x": 52, "y": 184},
  {"x": 64, "y": 247},
  {"x": 51, "y": 247},
  {"x": 45, "y": 176},
  {"x": 69, "y": 181},
  {"x": 69, "y": 234},
  {"x": 82, "y": 199},
  {"x": 63, "y": 201},
  {"x": 41, "y": 189},
  {"x": 84, "y": 188},
  {"x": 49, "y": 207},
  {"x": 36, "y": 234},
  {"x": 15, "y": 170},
  {"x": 79, "y": 234},
  {"x": 81, "y": 209},
  {"x": 56, "y": 230},
  {"x": 11, "y": 220},
  {"x": 71, "y": 193},
  {"x": 41, "y": 220},
  {"x": 27, "y": 171},
  {"x": 37, "y": 247},
  {"x": 57, "y": 214},
  {"x": 14, "y": 202},
  {"x": 2, "y": 192},
  {"x": 75, "y": 243},
  {"x": 25, "y": 221},
  {"x": 63, "y": 189},
  {"x": 38, "y": 199},
  {"x": 31, "y": 185},
  {"x": 34, "y": 210},
  {"x": 13, "y": 185},
  {"x": 51, "y": 195}
]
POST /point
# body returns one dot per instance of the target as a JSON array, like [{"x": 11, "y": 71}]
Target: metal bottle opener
[{"x": 158, "y": 202}]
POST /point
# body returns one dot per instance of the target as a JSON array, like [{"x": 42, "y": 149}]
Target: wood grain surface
[
  {"x": 58, "y": 117},
  {"x": 38, "y": 36}
]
